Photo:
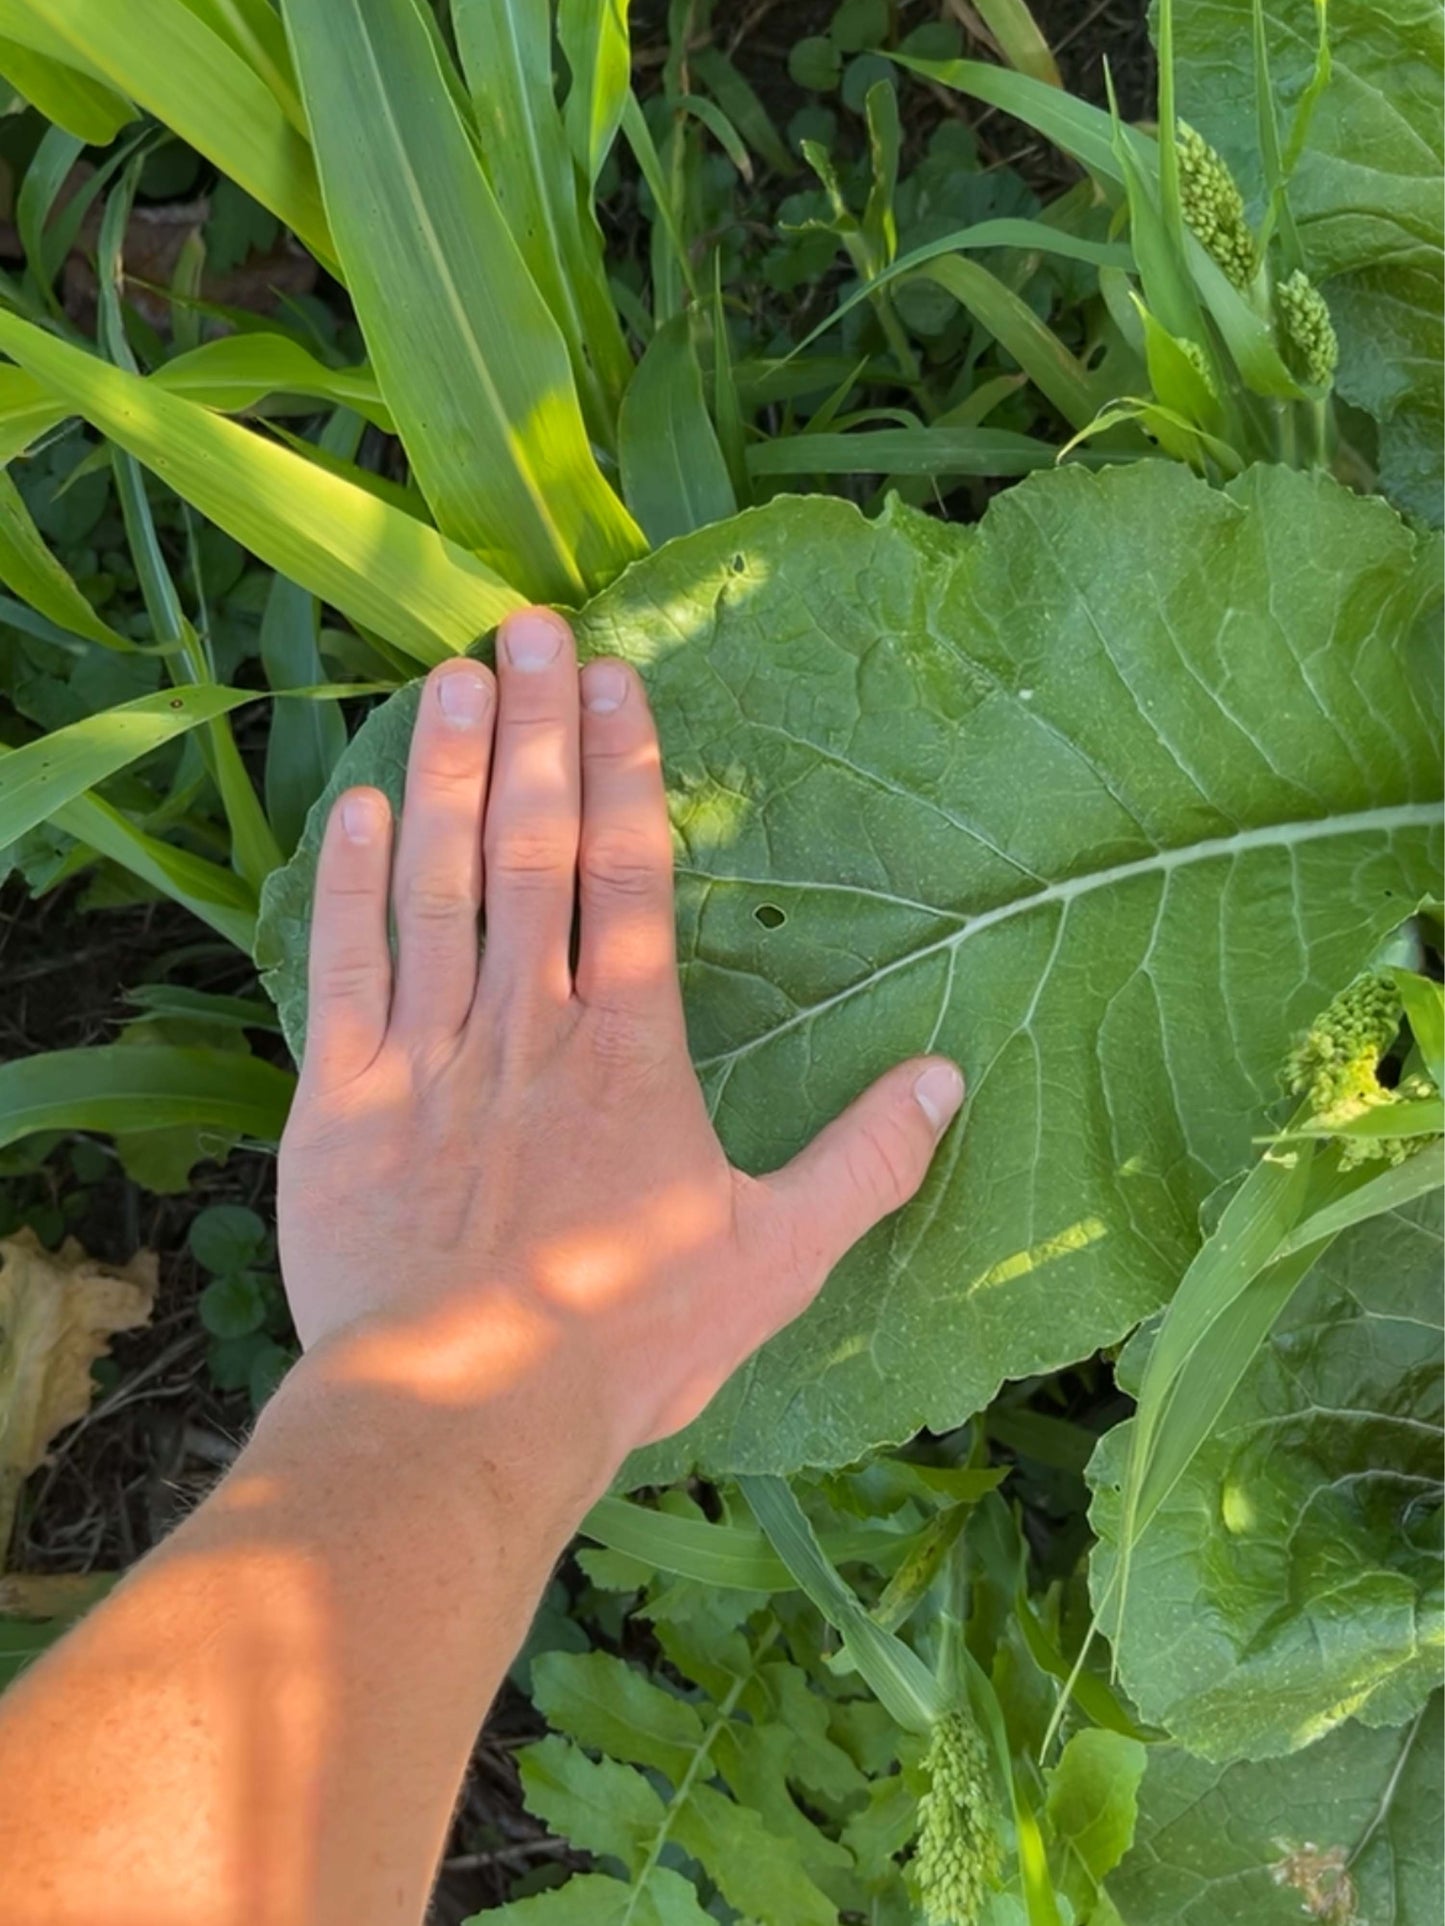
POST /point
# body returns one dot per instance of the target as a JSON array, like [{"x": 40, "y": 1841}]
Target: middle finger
[{"x": 530, "y": 839}]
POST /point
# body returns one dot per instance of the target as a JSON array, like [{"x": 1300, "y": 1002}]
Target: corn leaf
[
  {"x": 113, "y": 1088},
  {"x": 469, "y": 358},
  {"x": 381, "y": 567},
  {"x": 736, "y": 1557},
  {"x": 593, "y": 35},
  {"x": 253, "y": 29},
  {"x": 167, "y": 59},
  {"x": 220, "y": 898},
  {"x": 28, "y": 567},
  {"x": 506, "y": 53},
  {"x": 305, "y": 738},
  {"x": 240, "y": 370},
  {"x": 1013, "y": 324},
  {"x": 893, "y": 1671},
  {"x": 1019, "y": 38},
  {"x": 674, "y": 477},
  {"x": 38, "y": 778},
  {"x": 905, "y": 451},
  {"x": 27, "y": 411},
  {"x": 78, "y": 102},
  {"x": 1032, "y": 237}
]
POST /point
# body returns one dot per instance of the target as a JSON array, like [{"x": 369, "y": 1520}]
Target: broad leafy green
[
  {"x": 1104, "y": 795},
  {"x": 726, "y": 1761},
  {"x": 1366, "y": 194},
  {"x": 1345, "y": 1832},
  {"x": 1292, "y": 1579}
]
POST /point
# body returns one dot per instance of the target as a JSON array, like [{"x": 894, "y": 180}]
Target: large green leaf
[
  {"x": 1345, "y": 1833},
  {"x": 1105, "y": 795},
  {"x": 1366, "y": 194},
  {"x": 1291, "y": 1579},
  {"x": 470, "y": 360}
]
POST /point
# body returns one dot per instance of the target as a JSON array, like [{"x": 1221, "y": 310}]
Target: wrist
[{"x": 481, "y": 1407}]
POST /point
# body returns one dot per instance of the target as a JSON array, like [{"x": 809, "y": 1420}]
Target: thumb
[{"x": 867, "y": 1162}]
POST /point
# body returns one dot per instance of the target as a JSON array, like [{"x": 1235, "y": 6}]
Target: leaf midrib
[{"x": 1161, "y": 863}]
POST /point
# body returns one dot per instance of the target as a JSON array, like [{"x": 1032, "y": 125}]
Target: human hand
[{"x": 499, "y": 1174}]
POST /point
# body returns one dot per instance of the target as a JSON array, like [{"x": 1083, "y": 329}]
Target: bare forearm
[{"x": 267, "y": 1724}]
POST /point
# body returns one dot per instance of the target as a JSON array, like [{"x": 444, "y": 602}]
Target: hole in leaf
[
  {"x": 770, "y": 916},
  {"x": 738, "y": 565}
]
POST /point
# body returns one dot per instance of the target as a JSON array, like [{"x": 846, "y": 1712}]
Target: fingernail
[
  {"x": 938, "y": 1092},
  {"x": 531, "y": 639},
  {"x": 360, "y": 818},
  {"x": 463, "y": 696},
  {"x": 604, "y": 687}
]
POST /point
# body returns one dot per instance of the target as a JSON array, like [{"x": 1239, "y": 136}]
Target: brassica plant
[{"x": 1042, "y": 618}]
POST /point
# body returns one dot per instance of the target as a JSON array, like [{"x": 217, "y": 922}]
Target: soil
[{"x": 155, "y": 1442}]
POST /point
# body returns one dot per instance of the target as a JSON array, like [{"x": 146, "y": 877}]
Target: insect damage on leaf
[{"x": 1321, "y": 1877}]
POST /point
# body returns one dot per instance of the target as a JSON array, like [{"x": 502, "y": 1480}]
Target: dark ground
[{"x": 155, "y": 1442}]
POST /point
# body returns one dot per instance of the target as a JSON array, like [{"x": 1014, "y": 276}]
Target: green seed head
[
  {"x": 1199, "y": 362},
  {"x": 959, "y": 1859},
  {"x": 1335, "y": 1064},
  {"x": 1213, "y": 206},
  {"x": 1307, "y": 328}
]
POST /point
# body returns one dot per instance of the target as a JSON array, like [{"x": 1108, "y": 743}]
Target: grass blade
[
  {"x": 671, "y": 261},
  {"x": 113, "y": 1088},
  {"x": 893, "y": 1671},
  {"x": 56, "y": 155},
  {"x": 1020, "y": 39},
  {"x": 735, "y": 1556},
  {"x": 82, "y": 105},
  {"x": 1424, "y": 1001},
  {"x": 379, "y": 566},
  {"x": 726, "y": 407},
  {"x": 1071, "y": 124},
  {"x": 506, "y": 53},
  {"x": 253, "y": 29},
  {"x": 1397, "y": 1184},
  {"x": 674, "y": 477},
  {"x": 254, "y": 850},
  {"x": 735, "y": 95},
  {"x": 220, "y": 898},
  {"x": 1033, "y": 237},
  {"x": 28, "y": 567},
  {"x": 37, "y": 779},
  {"x": 933, "y": 450},
  {"x": 593, "y": 35},
  {"x": 241, "y": 370},
  {"x": 305, "y": 738},
  {"x": 167, "y": 59},
  {"x": 177, "y": 1000},
  {"x": 471, "y": 362},
  {"x": 1014, "y": 325}
]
